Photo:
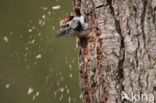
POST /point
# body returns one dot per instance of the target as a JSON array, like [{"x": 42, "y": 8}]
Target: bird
[{"x": 74, "y": 26}]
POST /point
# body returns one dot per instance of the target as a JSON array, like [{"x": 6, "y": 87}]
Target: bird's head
[{"x": 67, "y": 19}]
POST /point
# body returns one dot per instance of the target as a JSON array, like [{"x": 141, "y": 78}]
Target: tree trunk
[{"x": 118, "y": 58}]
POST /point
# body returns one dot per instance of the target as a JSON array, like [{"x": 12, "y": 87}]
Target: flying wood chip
[{"x": 56, "y": 7}]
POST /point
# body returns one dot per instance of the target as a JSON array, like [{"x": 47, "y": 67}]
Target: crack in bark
[
  {"x": 143, "y": 20},
  {"x": 154, "y": 17},
  {"x": 137, "y": 36},
  {"x": 122, "y": 51},
  {"x": 100, "y": 6},
  {"x": 136, "y": 52},
  {"x": 117, "y": 22},
  {"x": 144, "y": 46}
]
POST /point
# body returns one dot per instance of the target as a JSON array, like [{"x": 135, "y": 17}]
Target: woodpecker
[{"x": 74, "y": 26}]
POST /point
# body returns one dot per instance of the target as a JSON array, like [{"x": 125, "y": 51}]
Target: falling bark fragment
[
  {"x": 33, "y": 27},
  {"x": 11, "y": 33},
  {"x": 37, "y": 94},
  {"x": 30, "y": 90},
  {"x": 34, "y": 97},
  {"x": 62, "y": 78},
  {"x": 38, "y": 56},
  {"x": 7, "y": 86},
  {"x": 71, "y": 75},
  {"x": 55, "y": 93},
  {"x": 56, "y": 7},
  {"x": 32, "y": 42},
  {"x": 39, "y": 22},
  {"x": 30, "y": 30},
  {"x": 81, "y": 96},
  {"x": 49, "y": 12},
  {"x": 5, "y": 39},
  {"x": 61, "y": 97},
  {"x": 70, "y": 66},
  {"x": 67, "y": 91},
  {"x": 62, "y": 89},
  {"x": 53, "y": 27},
  {"x": 43, "y": 16},
  {"x": 69, "y": 100}
]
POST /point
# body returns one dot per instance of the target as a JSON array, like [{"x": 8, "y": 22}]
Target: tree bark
[{"x": 119, "y": 54}]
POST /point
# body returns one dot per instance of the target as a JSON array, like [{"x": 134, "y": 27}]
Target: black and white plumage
[{"x": 76, "y": 27}]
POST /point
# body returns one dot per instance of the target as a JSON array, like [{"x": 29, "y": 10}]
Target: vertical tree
[{"x": 120, "y": 53}]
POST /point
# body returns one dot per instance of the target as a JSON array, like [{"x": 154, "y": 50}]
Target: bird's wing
[{"x": 66, "y": 32}]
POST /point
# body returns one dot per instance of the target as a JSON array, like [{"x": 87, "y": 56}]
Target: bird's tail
[{"x": 60, "y": 33}]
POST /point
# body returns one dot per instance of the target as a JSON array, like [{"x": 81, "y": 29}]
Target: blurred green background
[{"x": 35, "y": 66}]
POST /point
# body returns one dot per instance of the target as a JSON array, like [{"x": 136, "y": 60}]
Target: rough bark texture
[{"x": 120, "y": 52}]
